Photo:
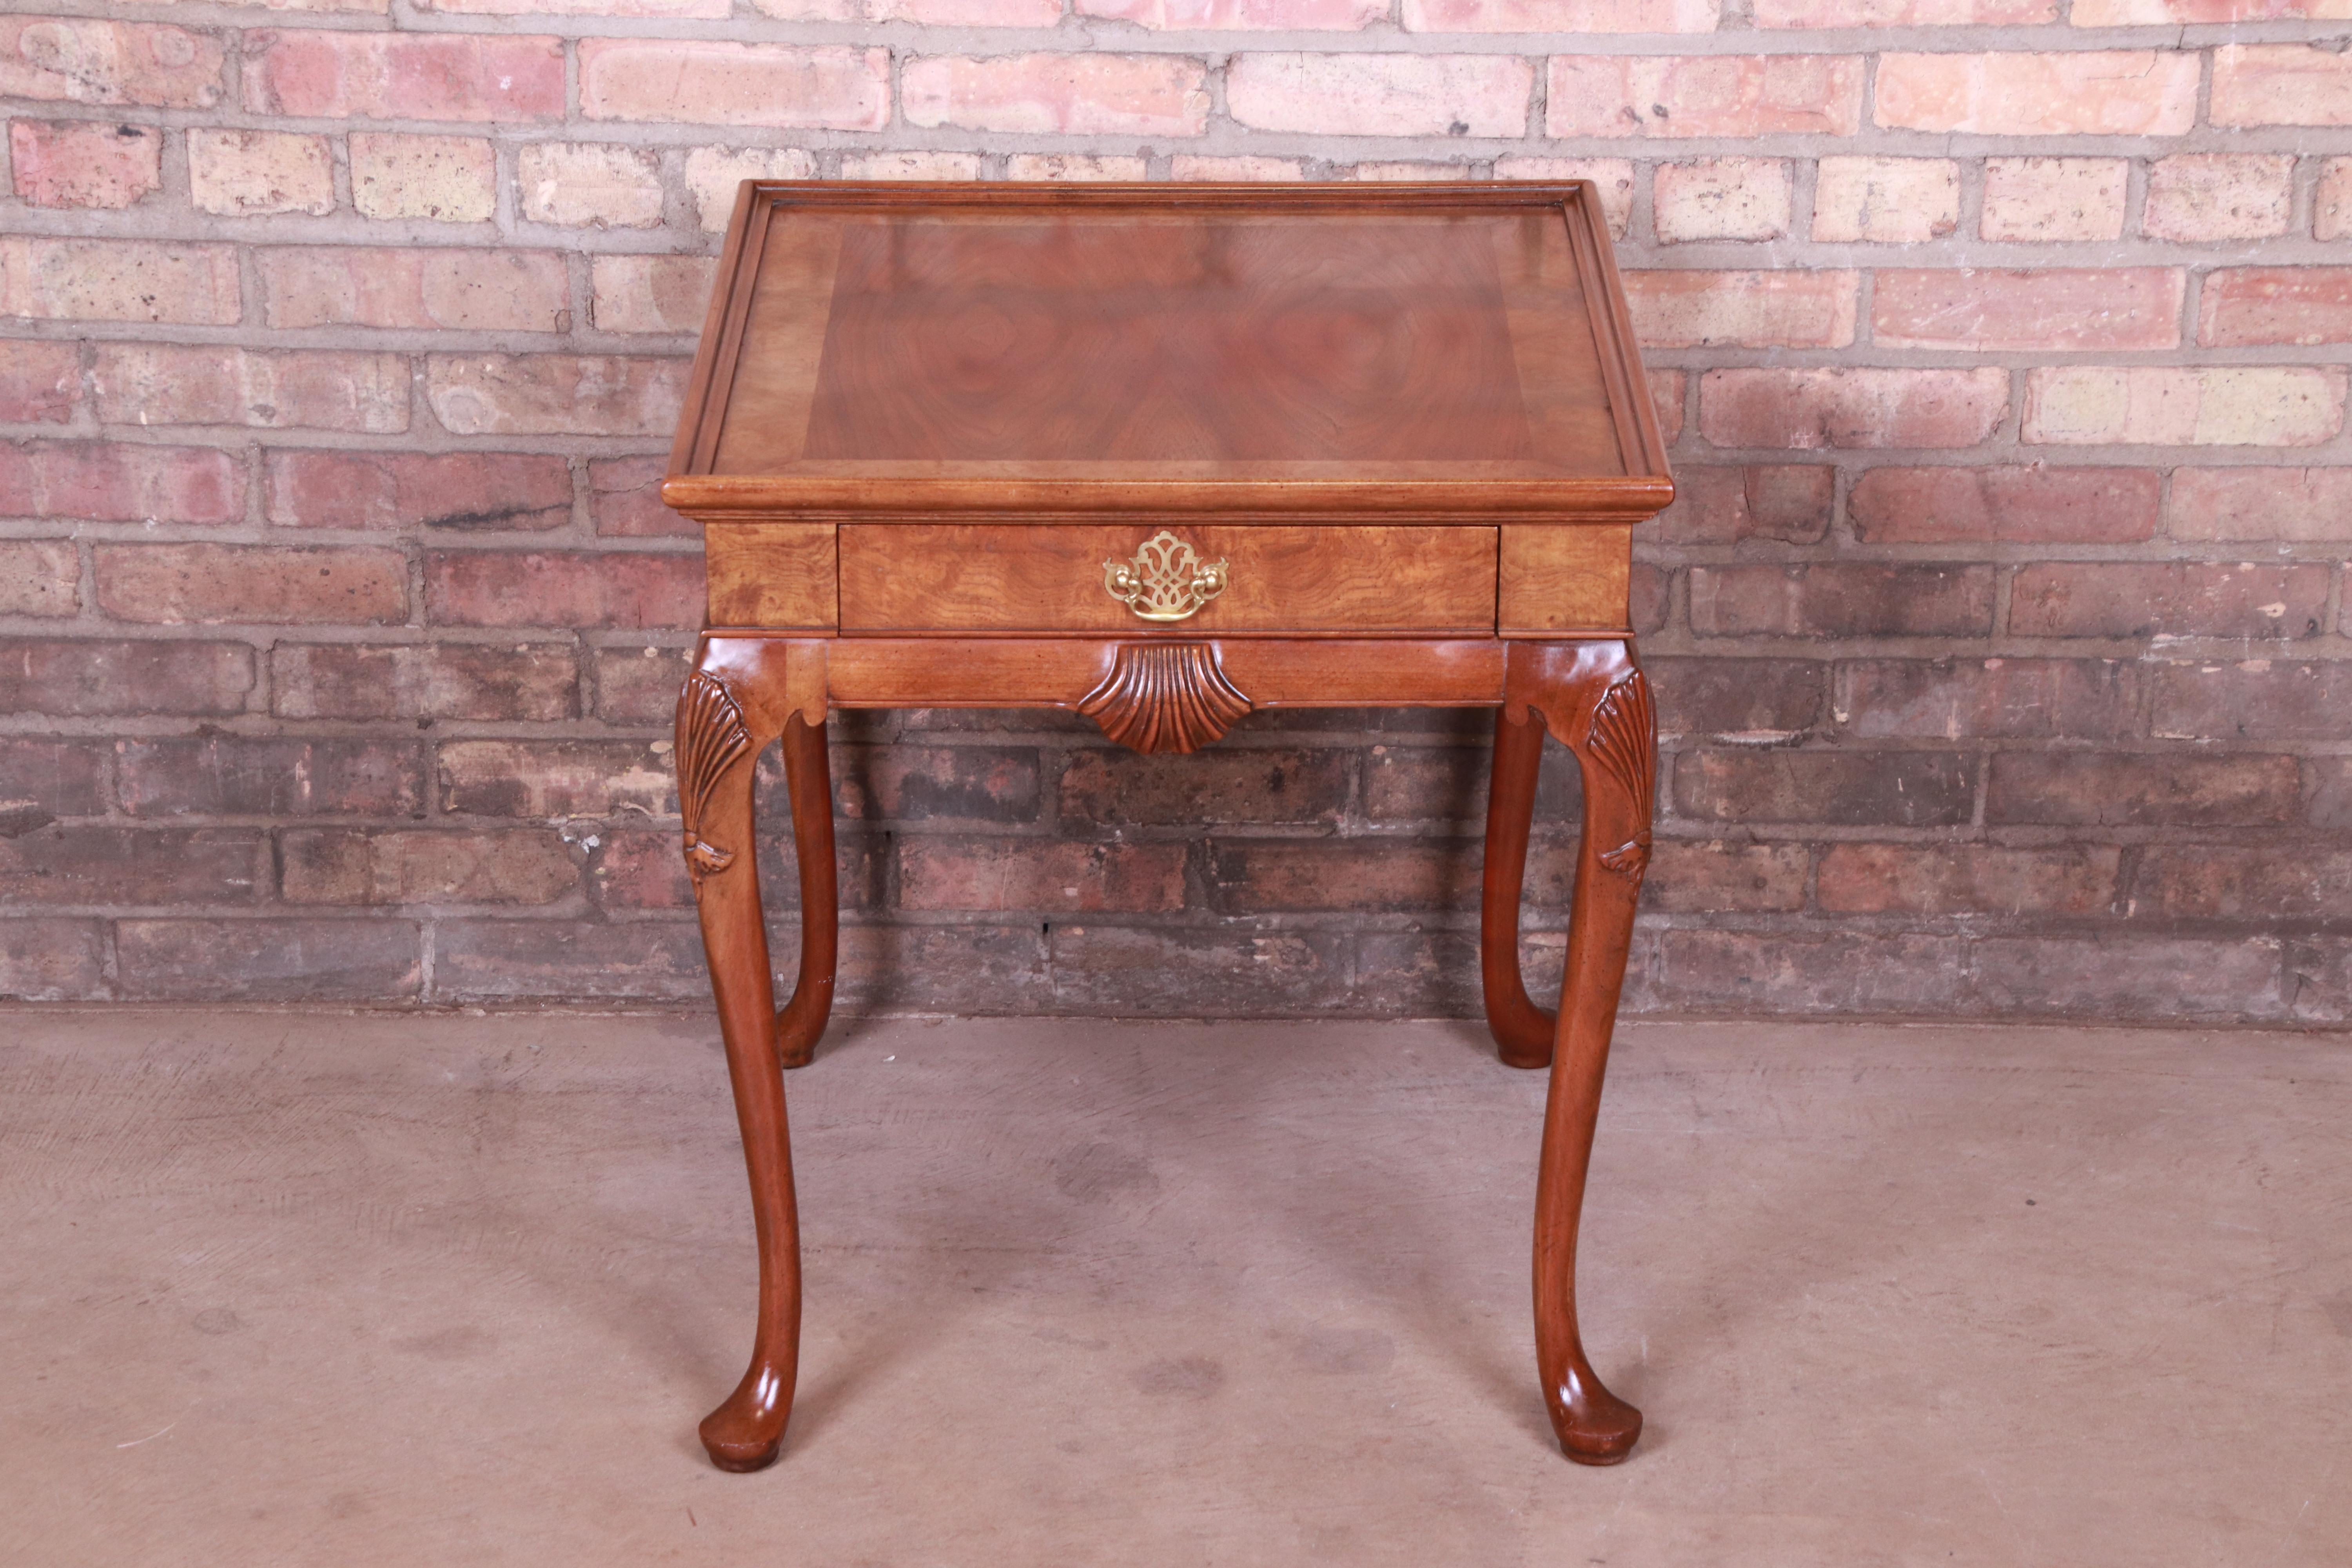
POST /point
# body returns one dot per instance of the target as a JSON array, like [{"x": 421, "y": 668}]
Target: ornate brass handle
[{"x": 1166, "y": 581}]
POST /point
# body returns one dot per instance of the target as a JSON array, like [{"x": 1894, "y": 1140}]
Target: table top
[{"x": 1453, "y": 352}]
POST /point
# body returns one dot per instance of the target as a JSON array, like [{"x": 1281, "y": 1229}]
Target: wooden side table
[{"x": 1168, "y": 455}]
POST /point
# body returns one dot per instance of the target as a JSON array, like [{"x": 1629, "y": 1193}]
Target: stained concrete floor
[{"x": 318, "y": 1289}]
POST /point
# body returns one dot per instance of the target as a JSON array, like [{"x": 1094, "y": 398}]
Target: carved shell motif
[
  {"x": 711, "y": 738},
  {"x": 1623, "y": 740},
  {"x": 1165, "y": 697}
]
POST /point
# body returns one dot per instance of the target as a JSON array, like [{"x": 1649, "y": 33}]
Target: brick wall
[{"x": 1999, "y": 636}]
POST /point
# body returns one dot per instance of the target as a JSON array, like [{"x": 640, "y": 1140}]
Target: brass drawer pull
[{"x": 1166, "y": 581}]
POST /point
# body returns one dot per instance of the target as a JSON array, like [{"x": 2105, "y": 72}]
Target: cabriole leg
[
  {"x": 1594, "y": 699},
  {"x": 1522, "y": 1031},
  {"x": 715, "y": 752},
  {"x": 808, "y": 780}
]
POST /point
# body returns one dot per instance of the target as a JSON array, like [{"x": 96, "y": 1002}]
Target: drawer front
[{"x": 1223, "y": 580}]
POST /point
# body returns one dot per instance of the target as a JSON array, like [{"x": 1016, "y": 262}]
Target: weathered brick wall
[{"x": 2000, "y": 634}]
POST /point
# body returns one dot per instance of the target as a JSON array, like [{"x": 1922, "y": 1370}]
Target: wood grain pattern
[
  {"x": 1409, "y": 420},
  {"x": 1563, "y": 577},
  {"x": 967, "y": 578},
  {"x": 1590, "y": 697},
  {"x": 778, "y": 574},
  {"x": 1127, "y": 338},
  {"x": 1427, "y": 350}
]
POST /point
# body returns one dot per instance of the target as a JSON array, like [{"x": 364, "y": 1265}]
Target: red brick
[
  {"x": 2241, "y": 882},
  {"x": 2259, "y": 503},
  {"x": 931, "y": 784},
  {"x": 1647, "y": 597},
  {"x": 180, "y": 585},
  {"x": 1745, "y": 697},
  {"x": 2079, "y": 93},
  {"x": 507, "y": 960},
  {"x": 2055, "y": 308},
  {"x": 543, "y": 779},
  {"x": 555, "y": 395},
  {"x": 1378, "y": 876},
  {"x": 651, "y": 293},
  {"x": 2183, "y": 406},
  {"x": 51, "y": 961},
  {"x": 645, "y": 871},
  {"x": 466, "y": 490},
  {"x": 1722, "y": 198},
  {"x": 537, "y": 681},
  {"x": 1761, "y": 973},
  {"x": 1161, "y": 972},
  {"x": 307, "y": 959},
  {"x": 1668, "y": 391},
  {"x": 59, "y": 865},
  {"x": 39, "y": 383},
  {"x": 1229, "y": 784},
  {"x": 2195, "y": 197},
  {"x": 1064, "y": 876},
  {"x": 1904, "y": 13},
  {"x": 342, "y": 866},
  {"x": 1851, "y": 599},
  {"x": 1806, "y": 409},
  {"x": 1959, "y": 699},
  {"x": 82, "y": 60},
  {"x": 85, "y": 162},
  {"x": 373, "y": 286},
  {"x": 2327, "y": 799},
  {"x": 39, "y": 577},
  {"x": 2141, "y": 789},
  {"x": 1789, "y": 503},
  {"x": 517, "y": 588},
  {"x": 2123, "y": 977},
  {"x": 1692, "y": 876},
  {"x": 2159, "y": 13},
  {"x": 1057, "y": 94},
  {"x": 707, "y": 82},
  {"x": 2147, "y": 599},
  {"x": 89, "y": 679},
  {"x": 118, "y": 281},
  {"x": 624, "y": 498},
  {"x": 141, "y": 384},
  {"x": 1842, "y": 788},
  {"x": 2281, "y": 84},
  {"x": 1966, "y": 879},
  {"x": 42, "y": 779},
  {"x": 1702, "y": 95},
  {"x": 251, "y": 775},
  {"x": 1382, "y": 94},
  {"x": 2244, "y": 306},
  {"x": 1743, "y": 310},
  {"x": 100, "y": 481},
  {"x": 1556, "y": 16},
  {"x": 2261, "y": 698},
  {"x": 314, "y": 74},
  {"x": 2024, "y": 504},
  {"x": 639, "y": 685}
]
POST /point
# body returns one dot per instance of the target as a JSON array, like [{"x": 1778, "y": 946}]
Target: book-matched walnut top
[{"x": 1438, "y": 350}]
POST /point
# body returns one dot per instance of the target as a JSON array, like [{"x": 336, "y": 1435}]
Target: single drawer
[{"x": 1181, "y": 580}]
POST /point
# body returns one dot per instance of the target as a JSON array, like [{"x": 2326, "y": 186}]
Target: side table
[{"x": 1168, "y": 455}]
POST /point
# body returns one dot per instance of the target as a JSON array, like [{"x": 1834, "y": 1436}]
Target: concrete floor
[{"x": 317, "y": 1288}]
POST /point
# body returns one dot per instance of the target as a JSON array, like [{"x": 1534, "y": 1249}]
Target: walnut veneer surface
[{"x": 1166, "y": 455}]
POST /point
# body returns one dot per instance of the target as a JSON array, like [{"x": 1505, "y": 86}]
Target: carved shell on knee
[
  {"x": 1165, "y": 697},
  {"x": 711, "y": 738},
  {"x": 1624, "y": 739}
]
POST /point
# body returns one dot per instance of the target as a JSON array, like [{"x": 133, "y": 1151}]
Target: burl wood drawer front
[{"x": 902, "y": 578}]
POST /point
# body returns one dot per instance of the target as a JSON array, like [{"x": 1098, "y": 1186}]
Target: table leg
[
  {"x": 1522, "y": 1030},
  {"x": 808, "y": 780},
  {"x": 715, "y": 755},
  {"x": 1593, "y": 698}
]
